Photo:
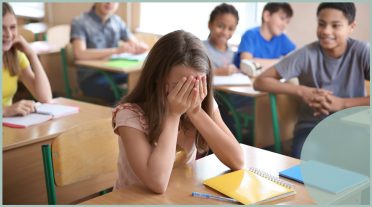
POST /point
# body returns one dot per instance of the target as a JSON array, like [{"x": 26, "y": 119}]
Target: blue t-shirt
[{"x": 253, "y": 42}]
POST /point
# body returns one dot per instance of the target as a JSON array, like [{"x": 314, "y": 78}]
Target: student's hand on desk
[
  {"x": 200, "y": 92},
  {"x": 228, "y": 70},
  {"x": 22, "y": 107},
  {"x": 126, "y": 47},
  {"x": 180, "y": 97},
  {"x": 140, "y": 47},
  {"x": 21, "y": 44}
]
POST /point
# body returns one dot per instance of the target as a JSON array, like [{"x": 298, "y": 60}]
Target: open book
[
  {"x": 130, "y": 56},
  {"x": 251, "y": 186},
  {"x": 234, "y": 79},
  {"x": 44, "y": 112}
]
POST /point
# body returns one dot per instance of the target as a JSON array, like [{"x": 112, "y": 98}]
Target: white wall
[{"x": 302, "y": 28}]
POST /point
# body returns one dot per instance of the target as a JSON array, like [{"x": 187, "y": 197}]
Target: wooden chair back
[
  {"x": 27, "y": 34},
  {"x": 59, "y": 35},
  {"x": 148, "y": 38},
  {"x": 85, "y": 152}
]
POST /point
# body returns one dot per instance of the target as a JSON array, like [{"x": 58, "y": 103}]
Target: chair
[
  {"x": 284, "y": 115},
  {"x": 59, "y": 35},
  {"x": 27, "y": 34},
  {"x": 82, "y": 153},
  {"x": 72, "y": 88},
  {"x": 367, "y": 86},
  {"x": 148, "y": 38}
]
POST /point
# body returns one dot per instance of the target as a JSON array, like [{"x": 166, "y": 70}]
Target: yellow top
[{"x": 10, "y": 83}]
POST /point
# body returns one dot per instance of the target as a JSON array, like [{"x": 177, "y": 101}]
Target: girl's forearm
[
  {"x": 225, "y": 146},
  {"x": 160, "y": 163},
  {"x": 96, "y": 54},
  {"x": 43, "y": 92}
]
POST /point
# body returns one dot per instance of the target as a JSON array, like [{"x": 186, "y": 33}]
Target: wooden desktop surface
[
  {"x": 185, "y": 180},
  {"x": 246, "y": 90},
  {"x": 23, "y": 174},
  {"x": 133, "y": 72},
  {"x": 15, "y": 137},
  {"x": 102, "y": 65}
]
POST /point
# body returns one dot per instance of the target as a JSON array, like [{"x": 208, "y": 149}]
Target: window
[
  {"x": 162, "y": 18},
  {"x": 34, "y": 10}
]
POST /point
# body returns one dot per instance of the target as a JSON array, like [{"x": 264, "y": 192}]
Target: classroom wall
[
  {"x": 302, "y": 28},
  {"x": 63, "y": 13}
]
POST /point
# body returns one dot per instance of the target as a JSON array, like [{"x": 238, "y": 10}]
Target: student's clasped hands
[
  {"x": 321, "y": 101},
  {"x": 187, "y": 95}
]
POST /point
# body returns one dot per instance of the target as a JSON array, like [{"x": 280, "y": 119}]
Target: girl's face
[
  {"x": 222, "y": 28},
  {"x": 106, "y": 9},
  {"x": 9, "y": 31},
  {"x": 178, "y": 72}
]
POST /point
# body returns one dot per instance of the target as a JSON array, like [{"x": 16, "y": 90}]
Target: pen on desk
[{"x": 204, "y": 195}]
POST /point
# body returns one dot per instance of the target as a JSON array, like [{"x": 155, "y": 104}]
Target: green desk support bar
[
  {"x": 49, "y": 175},
  {"x": 274, "y": 114},
  {"x": 116, "y": 90},
  {"x": 235, "y": 115},
  {"x": 66, "y": 80}
]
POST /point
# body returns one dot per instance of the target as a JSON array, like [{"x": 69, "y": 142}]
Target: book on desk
[
  {"x": 43, "y": 113},
  {"x": 325, "y": 177},
  {"x": 251, "y": 186},
  {"x": 129, "y": 56},
  {"x": 231, "y": 80}
]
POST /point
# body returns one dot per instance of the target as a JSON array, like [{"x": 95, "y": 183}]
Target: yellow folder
[{"x": 251, "y": 186}]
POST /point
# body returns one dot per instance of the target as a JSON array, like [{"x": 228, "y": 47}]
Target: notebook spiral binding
[{"x": 271, "y": 177}]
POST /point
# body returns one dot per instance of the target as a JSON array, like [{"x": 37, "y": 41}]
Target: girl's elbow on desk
[
  {"x": 158, "y": 186},
  {"x": 238, "y": 163},
  {"x": 235, "y": 161}
]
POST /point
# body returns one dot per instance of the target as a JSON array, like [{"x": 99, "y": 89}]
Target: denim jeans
[
  {"x": 98, "y": 86},
  {"x": 298, "y": 141}
]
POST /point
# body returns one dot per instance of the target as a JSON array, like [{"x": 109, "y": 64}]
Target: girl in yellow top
[{"x": 20, "y": 62}]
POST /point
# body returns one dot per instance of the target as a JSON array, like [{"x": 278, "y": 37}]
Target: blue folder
[{"x": 293, "y": 173}]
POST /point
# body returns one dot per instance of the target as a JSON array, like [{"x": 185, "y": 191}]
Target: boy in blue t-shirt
[
  {"x": 267, "y": 43},
  {"x": 331, "y": 71}
]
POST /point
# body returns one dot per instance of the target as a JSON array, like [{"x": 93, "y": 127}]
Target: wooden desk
[
  {"x": 263, "y": 121},
  {"x": 23, "y": 175},
  {"x": 185, "y": 180},
  {"x": 38, "y": 28},
  {"x": 133, "y": 72}
]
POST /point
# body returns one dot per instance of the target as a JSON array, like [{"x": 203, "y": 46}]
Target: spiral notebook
[{"x": 251, "y": 186}]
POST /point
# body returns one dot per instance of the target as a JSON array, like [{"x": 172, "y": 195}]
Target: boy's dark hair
[
  {"x": 223, "y": 9},
  {"x": 347, "y": 8},
  {"x": 273, "y": 7}
]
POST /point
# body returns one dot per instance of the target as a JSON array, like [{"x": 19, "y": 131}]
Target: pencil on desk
[{"x": 204, "y": 195}]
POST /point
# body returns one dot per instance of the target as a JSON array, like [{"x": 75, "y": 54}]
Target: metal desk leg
[
  {"x": 274, "y": 113},
  {"x": 235, "y": 115}
]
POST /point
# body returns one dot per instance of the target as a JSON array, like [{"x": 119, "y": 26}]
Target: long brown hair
[
  {"x": 176, "y": 48},
  {"x": 10, "y": 58}
]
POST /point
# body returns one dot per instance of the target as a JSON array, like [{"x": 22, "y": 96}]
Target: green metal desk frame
[
  {"x": 250, "y": 118},
  {"x": 118, "y": 92}
]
